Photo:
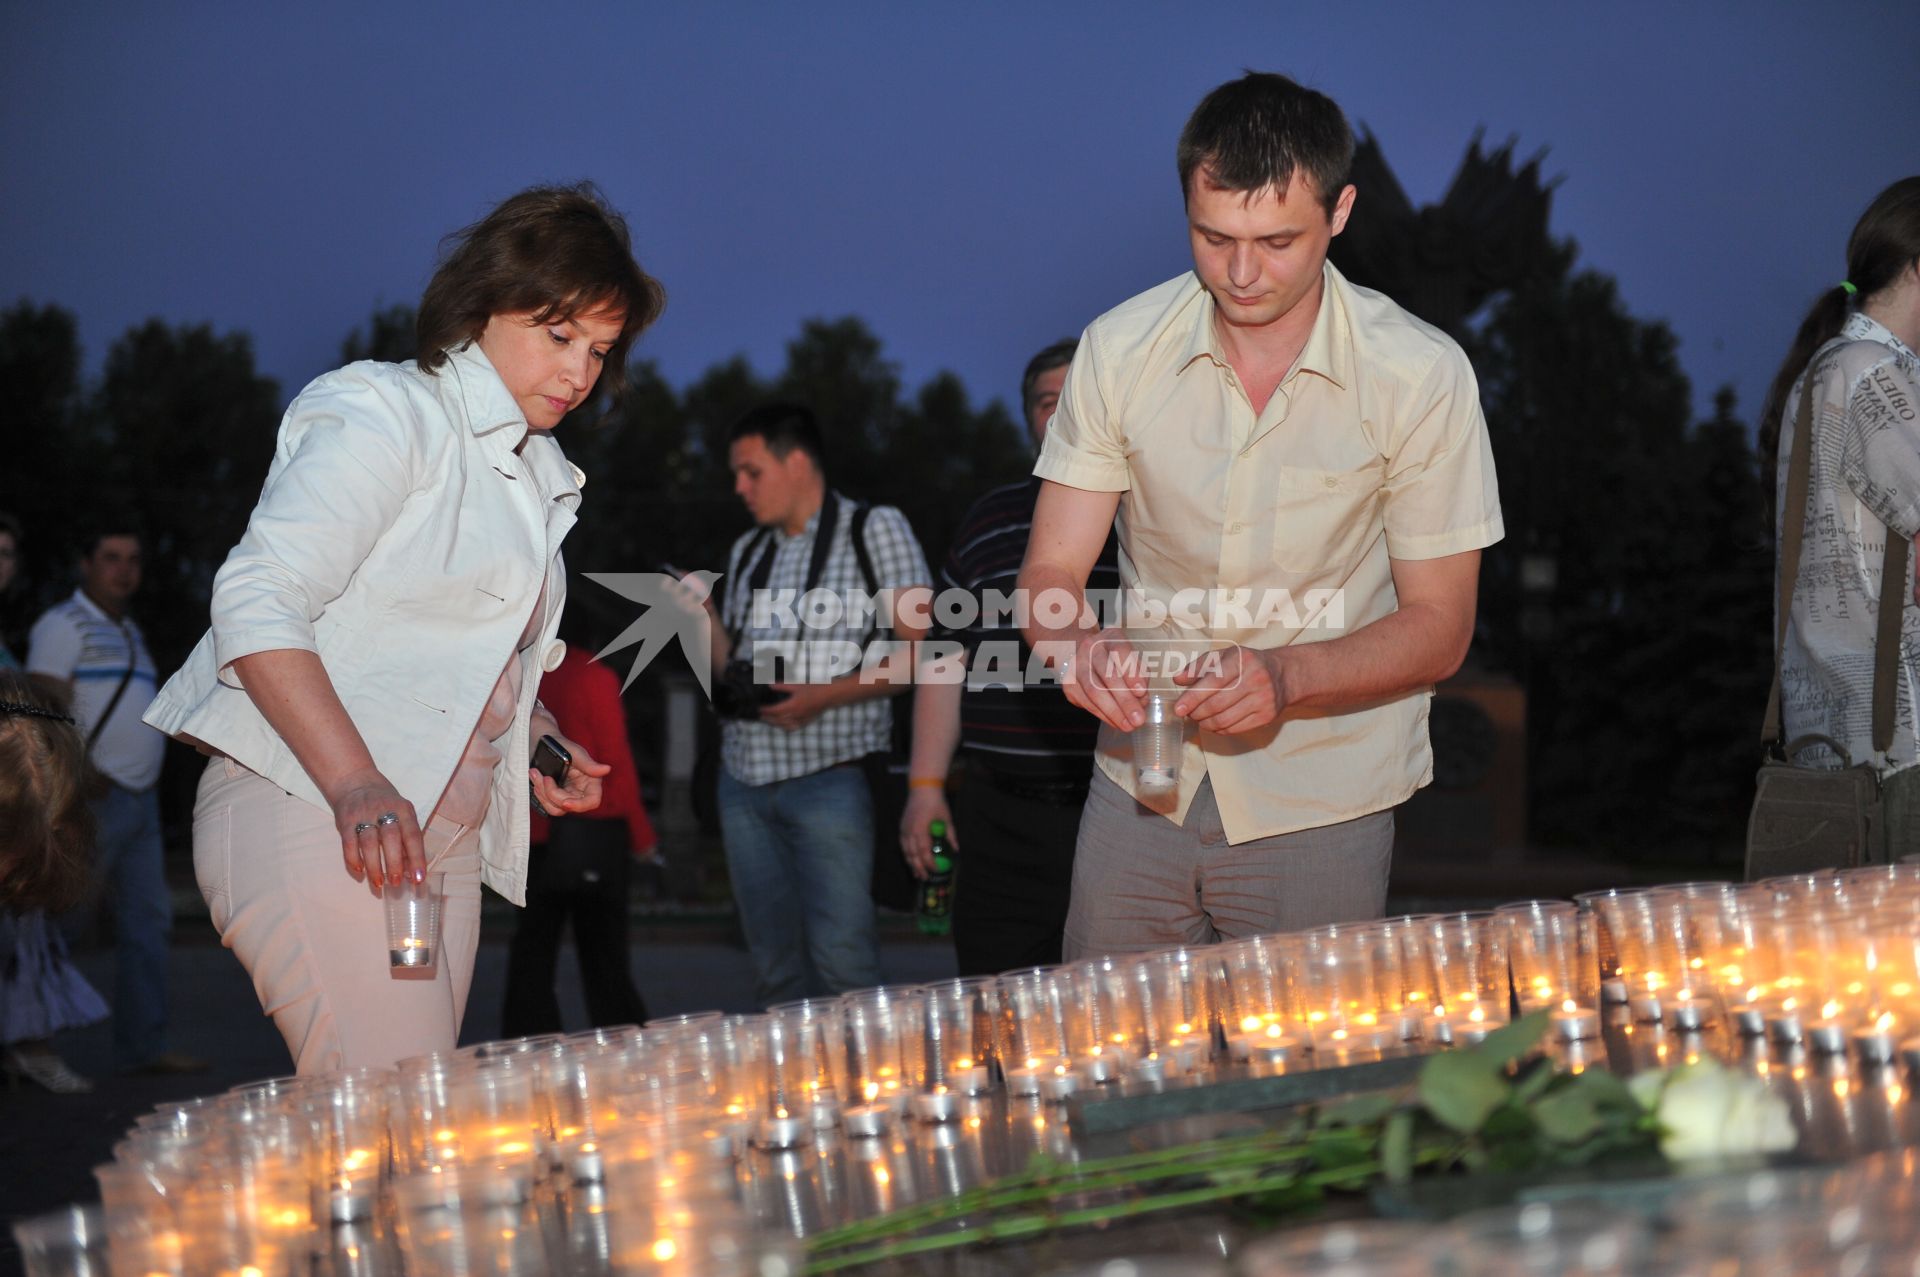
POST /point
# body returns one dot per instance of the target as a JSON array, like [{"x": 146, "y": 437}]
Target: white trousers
[{"x": 314, "y": 940}]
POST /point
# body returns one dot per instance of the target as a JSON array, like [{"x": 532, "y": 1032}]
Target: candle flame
[
  {"x": 664, "y": 1249},
  {"x": 880, "y": 1175}
]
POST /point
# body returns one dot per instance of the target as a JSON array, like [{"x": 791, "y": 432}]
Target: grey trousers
[{"x": 1142, "y": 882}]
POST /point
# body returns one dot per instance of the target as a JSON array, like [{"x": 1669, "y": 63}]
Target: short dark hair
[
  {"x": 557, "y": 251},
  {"x": 783, "y": 426},
  {"x": 1255, "y": 132},
  {"x": 1058, "y": 355},
  {"x": 99, "y": 529}
]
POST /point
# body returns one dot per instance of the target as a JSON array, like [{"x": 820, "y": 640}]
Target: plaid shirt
[{"x": 757, "y": 754}]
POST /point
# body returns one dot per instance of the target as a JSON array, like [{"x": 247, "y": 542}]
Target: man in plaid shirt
[{"x": 795, "y": 811}]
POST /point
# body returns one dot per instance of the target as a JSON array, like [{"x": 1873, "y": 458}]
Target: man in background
[
  {"x": 796, "y": 811},
  {"x": 90, "y": 651}
]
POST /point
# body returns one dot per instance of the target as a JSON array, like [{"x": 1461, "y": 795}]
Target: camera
[{"x": 737, "y": 696}]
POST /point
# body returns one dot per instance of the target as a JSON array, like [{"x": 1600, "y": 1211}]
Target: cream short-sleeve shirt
[{"x": 1372, "y": 448}]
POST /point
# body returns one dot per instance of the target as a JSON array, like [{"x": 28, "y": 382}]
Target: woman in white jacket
[{"x": 379, "y": 632}]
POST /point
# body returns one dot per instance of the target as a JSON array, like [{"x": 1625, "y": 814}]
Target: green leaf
[
  {"x": 1567, "y": 1117},
  {"x": 1606, "y": 1091},
  {"x": 1396, "y": 1147},
  {"x": 1533, "y": 1081},
  {"x": 1359, "y": 1110},
  {"x": 1287, "y": 1200},
  {"x": 1461, "y": 1090},
  {"x": 1345, "y": 1146},
  {"x": 1511, "y": 1043}
]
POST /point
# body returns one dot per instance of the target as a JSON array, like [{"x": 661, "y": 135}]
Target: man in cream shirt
[{"x": 1300, "y": 467}]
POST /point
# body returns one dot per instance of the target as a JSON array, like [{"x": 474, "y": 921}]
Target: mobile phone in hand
[{"x": 550, "y": 759}]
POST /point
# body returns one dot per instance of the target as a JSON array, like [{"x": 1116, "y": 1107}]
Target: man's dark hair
[
  {"x": 557, "y": 251},
  {"x": 99, "y": 530},
  {"x": 1255, "y": 132},
  {"x": 783, "y": 426},
  {"x": 1058, "y": 355}
]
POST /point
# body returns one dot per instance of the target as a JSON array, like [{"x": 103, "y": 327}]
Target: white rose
[{"x": 1707, "y": 1110}]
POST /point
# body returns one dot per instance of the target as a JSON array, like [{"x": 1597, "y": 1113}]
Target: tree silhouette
[
  {"x": 184, "y": 403},
  {"x": 388, "y": 337}
]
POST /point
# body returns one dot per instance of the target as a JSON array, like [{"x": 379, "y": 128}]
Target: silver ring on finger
[
  {"x": 388, "y": 818},
  {"x": 363, "y": 826}
]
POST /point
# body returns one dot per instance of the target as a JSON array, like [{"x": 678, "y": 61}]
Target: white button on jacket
[{"x": 401, "y": 538}]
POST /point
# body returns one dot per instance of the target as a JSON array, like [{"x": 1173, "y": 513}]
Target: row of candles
[{"x": 655, "y": 1120}]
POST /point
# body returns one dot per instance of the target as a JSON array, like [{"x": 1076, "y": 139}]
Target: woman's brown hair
[
  {"x": 556, "y": 251},
  {"x": 46, "y": 832},
  {"x": 1885, "y": 241}
]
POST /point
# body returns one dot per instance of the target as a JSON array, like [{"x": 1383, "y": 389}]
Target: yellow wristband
[{"x": 926, "y": 782}]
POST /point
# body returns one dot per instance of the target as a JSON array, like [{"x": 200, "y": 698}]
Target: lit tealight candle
[
  {"x": 1828, "y": 1035},
  {"x": 1874, "y": 1042},
  {"x": 865, "y": 1121},
  {"x": 967, "y": 1077},
  {"x": 938, "y": 1105},
  {"x": 1574, "y": 1023},
  {"x": 414, "y": 951},
  {"x": 781, "y": 1129}
]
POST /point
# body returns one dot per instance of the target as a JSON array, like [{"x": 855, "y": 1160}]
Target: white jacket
[{"x": 400, "y": 538}]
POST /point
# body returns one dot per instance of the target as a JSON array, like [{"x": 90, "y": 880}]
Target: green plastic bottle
[{"x": 934, "y": 909}]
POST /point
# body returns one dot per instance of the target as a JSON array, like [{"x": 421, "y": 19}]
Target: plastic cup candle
[
  {"x": 782, "y": 1129},
  {"x": 1828, "y": 1033},
  {"x": 413, "y": 920},
  {"x": 937, "y": 1105},
  {"x": 1874, "y": 1042},
  {"x": 1157, "y": 745},
  {"x": 1573, "y": 1022}
]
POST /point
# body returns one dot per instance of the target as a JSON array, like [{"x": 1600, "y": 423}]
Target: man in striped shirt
[
  {"x": 88, "y": 649},
  {"x": 1029, "y": 752}
]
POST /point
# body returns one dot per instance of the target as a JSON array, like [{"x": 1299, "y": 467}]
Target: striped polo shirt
[{"x": 76, "y": 640}]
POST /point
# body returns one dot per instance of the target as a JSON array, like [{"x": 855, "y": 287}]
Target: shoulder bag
[{"x": 1809, "y": 818}]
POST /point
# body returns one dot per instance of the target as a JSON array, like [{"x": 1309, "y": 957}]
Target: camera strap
[{"x": 762, "y": 570}]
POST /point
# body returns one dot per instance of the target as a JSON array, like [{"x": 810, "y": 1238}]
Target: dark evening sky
[{"x": 972, "y": 179}]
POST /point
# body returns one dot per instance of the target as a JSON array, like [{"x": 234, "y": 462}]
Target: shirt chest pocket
[{"x": 1324, "y": 519}]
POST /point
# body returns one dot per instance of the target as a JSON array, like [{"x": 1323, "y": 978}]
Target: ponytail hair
[{"x": 1885, "y": 241}]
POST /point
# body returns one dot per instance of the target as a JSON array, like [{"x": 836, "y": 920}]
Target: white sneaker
[{"x": 44, "y": 1067}]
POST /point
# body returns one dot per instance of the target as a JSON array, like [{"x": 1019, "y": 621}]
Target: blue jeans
[
  {"x": 800, "y": 853},
  {"x": 132, "y": 865}
]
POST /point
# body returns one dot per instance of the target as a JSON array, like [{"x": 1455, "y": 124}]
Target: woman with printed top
[
  {"x": 368, "y": 687},
  {"x": 1854, "y": 363}
]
